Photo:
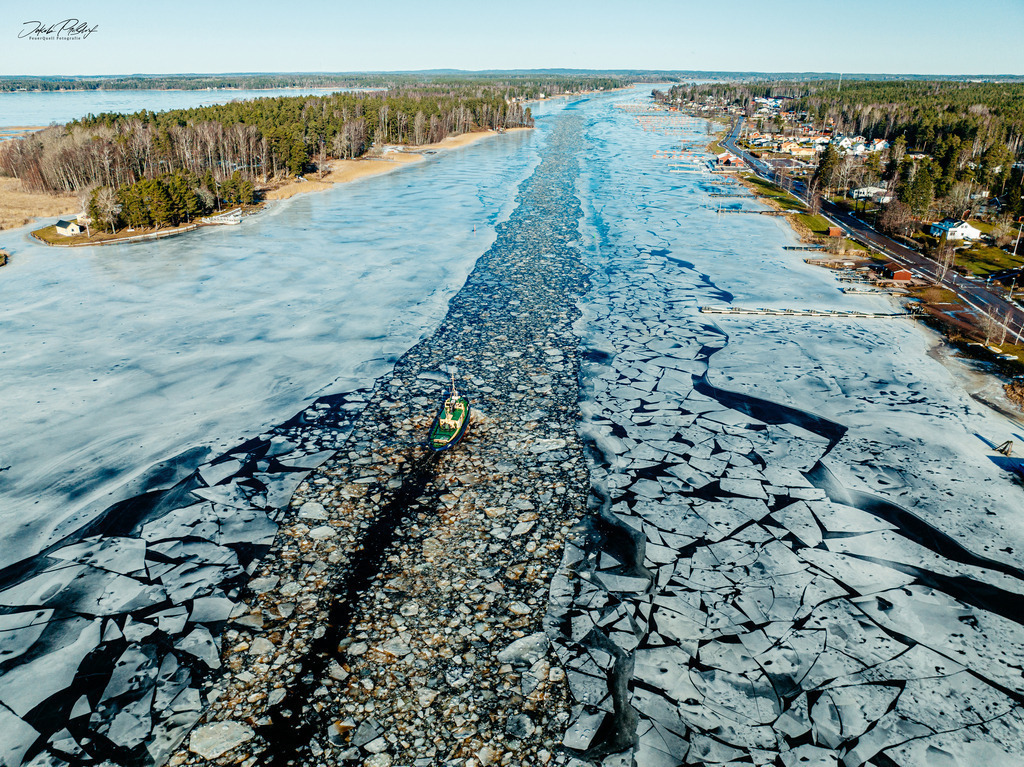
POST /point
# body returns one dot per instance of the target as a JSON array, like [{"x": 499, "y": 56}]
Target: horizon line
[{"x": 535, "y": 70}]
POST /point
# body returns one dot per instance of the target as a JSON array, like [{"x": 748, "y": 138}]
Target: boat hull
[{"x": 440, "y": 437}]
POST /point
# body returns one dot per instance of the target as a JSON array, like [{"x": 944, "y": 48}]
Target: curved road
[{"x": 974, "y": 293}]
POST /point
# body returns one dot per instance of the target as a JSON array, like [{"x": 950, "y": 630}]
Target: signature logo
[{"x": 68, "y": 29}]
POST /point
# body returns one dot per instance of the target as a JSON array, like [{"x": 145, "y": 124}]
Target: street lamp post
[{"x": 1016, "y": 242}]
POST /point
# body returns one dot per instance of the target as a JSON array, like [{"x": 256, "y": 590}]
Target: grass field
[
  {"x": 814, "y": 225},
  {"x": 817, "y": 224},
  {"x": 715, "y": 147},
  {"x": 785, "y": 200},
  {"x": 982, "y": 259},
  {"x": 936, "y": 295}
]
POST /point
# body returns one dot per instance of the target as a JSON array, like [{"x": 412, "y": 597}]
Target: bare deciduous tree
[{"x": 108, "y": 206}]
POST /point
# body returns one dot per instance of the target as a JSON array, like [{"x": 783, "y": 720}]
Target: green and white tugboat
[{"x": 451, "y": 420}]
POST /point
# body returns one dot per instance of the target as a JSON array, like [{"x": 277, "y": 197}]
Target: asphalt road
[{"x": 974, "y": 292}]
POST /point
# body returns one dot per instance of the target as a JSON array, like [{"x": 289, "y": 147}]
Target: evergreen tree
[
  {"x": 158, "y": 202},
  {"x": 246, "y": 192},
  {"x": 134, "y": 209},
  {"x": 297, "y": 156},
  {"x": 828, "y": 165}
]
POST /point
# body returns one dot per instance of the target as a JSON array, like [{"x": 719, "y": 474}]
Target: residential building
[
  {"x": 877, "y": 194},
  {"x": 954, "y": 229},
  {"x": 896, "y": 273},
  {"x": 68, "y": 228}
]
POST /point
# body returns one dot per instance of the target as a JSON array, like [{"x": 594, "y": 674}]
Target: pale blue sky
[{"x": 908, "y": 36}]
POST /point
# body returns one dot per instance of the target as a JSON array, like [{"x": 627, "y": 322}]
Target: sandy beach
[
  {"x": 344, "y": 171},
  {"x": 18, "y": 207}
]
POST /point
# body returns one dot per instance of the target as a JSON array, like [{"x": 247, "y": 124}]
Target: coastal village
[{"x": 982, "y": 242}]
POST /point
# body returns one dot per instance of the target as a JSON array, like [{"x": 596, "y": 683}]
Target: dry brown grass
[{"x": 18, "y": 207}]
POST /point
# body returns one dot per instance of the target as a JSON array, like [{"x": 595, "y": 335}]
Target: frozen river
[
  {"x": 128, "y": 369},
  {"x": 805, "y": 552}
]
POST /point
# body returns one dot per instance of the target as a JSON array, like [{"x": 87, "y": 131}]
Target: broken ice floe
[
  {"x": 107, "y": 639},
  {"x": 749, "y": 615}
]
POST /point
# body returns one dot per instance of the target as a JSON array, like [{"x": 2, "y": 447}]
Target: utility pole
[{"x": 1019, "y": 229}]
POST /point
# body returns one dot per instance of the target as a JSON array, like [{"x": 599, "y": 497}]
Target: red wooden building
[{"x": 896, "y": 273}]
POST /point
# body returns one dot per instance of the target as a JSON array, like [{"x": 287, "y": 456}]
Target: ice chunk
[
  {"x": 18, "y": 737},
  {"x": 200, "y": 644},
  {"x": 212, "y": 740},
  {"x": 19, "y": 631},
  {"x": 24, "y": 687},
  {"x": 119, "y": 555},
  {"x": 211, "y": 609},
  {"x": 135, "y": 670},
  {"x": 215, "y": 473},
  {"x": 525, "y": 651},
  {"x": 582, "y": 731}
]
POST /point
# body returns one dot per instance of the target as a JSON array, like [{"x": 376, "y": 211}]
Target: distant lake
[{"x": 31, "y": 108}]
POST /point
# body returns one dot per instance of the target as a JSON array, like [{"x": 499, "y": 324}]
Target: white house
[
  {"x": 68, "y": 228},
  {"x": 954, "y": 229},
  {"x": 877, "y": 194}
]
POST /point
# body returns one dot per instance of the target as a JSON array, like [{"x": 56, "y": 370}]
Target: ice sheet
[
  {"x": 873, "y": 597},
  {"x": 131, "y": 362}
]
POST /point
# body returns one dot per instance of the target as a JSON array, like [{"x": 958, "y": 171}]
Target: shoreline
[
  {"x": 940, "y": 330},
  {"x": 30, "y": 207},
  {"x": 346, "y": 171}
]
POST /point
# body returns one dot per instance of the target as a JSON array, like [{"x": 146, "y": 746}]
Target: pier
[
  {"x": 754, "y": 212},
  {"x": 833, "y": 313},
  {"x": 873, "y": 291}
]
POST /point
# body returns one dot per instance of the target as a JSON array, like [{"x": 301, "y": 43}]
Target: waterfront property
[
  {"x": 897, "y": 272},
  {"x": 68, "y": 228}
]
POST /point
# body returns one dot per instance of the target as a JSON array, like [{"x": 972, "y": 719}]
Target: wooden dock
[
  {"x": 799, "y": 313},
  {"x": 874, "y": 291}
]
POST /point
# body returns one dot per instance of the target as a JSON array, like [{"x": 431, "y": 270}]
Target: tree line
[
  {"x": 171, "y": 199},
  {"x": 928, "y": 114},
  {"x": 257, "y": 139},
  {"x": 524, "y": 83}
]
